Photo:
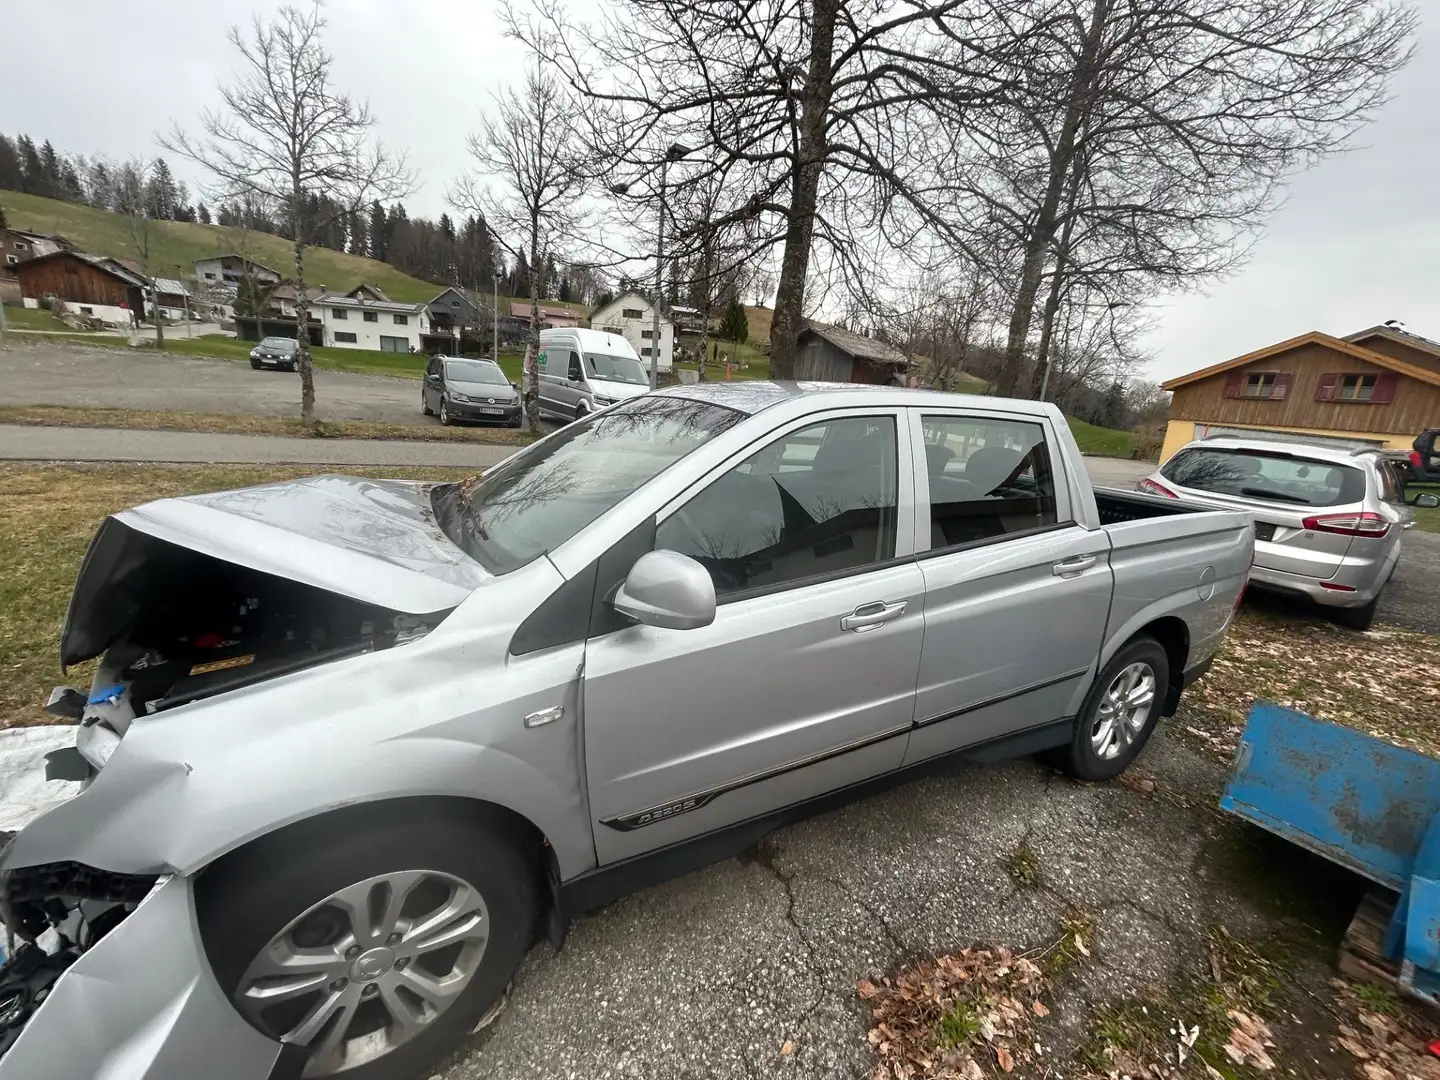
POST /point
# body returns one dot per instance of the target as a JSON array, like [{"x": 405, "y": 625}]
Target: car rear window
[{"x": 1275, "y": 476}]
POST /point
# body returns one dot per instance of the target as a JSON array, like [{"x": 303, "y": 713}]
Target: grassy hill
[{"x": 181, "y": 243}]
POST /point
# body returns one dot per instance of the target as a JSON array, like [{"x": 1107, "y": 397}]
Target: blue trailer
[{"x": 1362, "y": 803}]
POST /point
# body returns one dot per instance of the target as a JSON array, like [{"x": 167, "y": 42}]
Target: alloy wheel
[
  {"x": 1123, "y": 710},
  {"x": 368, "y": 968}
]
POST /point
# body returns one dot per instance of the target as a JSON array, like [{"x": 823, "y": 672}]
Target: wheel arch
[{"x": 1173, "y": 635}]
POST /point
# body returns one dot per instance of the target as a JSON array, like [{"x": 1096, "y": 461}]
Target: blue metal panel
[{"x": 1351, "y": 798}]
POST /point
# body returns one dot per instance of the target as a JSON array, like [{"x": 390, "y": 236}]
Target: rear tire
[
  {"x": 1110, "y": 732},
  {"x": 249, "y": 904},
  {"x": 425, "y": 409},
  {"x": 1357, "y": 618}
]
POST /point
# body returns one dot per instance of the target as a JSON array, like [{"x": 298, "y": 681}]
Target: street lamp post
[{"x": 675, "y": 152}]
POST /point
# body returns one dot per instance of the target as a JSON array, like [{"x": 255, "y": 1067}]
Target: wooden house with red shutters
[{"x": 1380, "y": 388}]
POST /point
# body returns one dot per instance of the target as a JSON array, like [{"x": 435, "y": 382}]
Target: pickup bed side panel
[{"x": 1189, "y": 566}]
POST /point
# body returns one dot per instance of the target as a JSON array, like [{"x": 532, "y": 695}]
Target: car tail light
[
  {"x": 1153, "y": 487},
  {"x": 1363, "y": 524},
  {"x": 1414, "y": 456}
]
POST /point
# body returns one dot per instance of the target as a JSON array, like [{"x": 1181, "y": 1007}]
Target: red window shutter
[
  {"x": 1234, "y": 383},
  {"x": 1325, "y": 388},
  {"x": 1281, "y": 389},
  {"x": 1385, "y": 385}
]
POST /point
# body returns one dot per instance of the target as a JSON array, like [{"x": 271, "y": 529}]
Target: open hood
[{"x": 374, "y": 541}]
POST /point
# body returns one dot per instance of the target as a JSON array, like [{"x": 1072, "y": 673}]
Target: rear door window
[
  {"x": 1273, "y": 476},
  {"x": 988, "y": 479}
]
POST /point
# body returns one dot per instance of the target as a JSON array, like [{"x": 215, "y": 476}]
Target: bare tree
[
  {"x": 288, "y": 138},
  {"x": 825, "y": 124},
  {"x": 530, "y": 172},
  {"x": 132, "y": 182},
  {"x": 1158, "y": 133}
]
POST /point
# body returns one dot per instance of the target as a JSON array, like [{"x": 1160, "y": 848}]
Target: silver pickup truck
[{"x": 352, "y": 744}]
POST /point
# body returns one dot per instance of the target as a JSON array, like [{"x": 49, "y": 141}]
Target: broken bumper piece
[{"x": 143, "y": 1004}]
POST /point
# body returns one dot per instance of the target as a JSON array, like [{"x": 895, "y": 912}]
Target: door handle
[
  {"x": 1073, "y": 565},
  {"x": 872, "y": 615}
]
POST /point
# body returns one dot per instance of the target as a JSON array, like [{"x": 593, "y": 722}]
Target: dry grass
[
  {"x": 164, "y": 420},
  {"x": 1385, "y": 682},
  {"x": 48, "y": 515}
]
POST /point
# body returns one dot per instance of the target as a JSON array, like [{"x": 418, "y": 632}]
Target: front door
[
  {"x": 1016, "y": 593},
  {"x": 805, "y": 681}
]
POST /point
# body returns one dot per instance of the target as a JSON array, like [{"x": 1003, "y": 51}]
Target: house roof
[
  {"x": 32, "y": 235},
  {"x": 1315, "y": 337},
  {"x": 522, "y": 308},
  {"x": 858, "y": 345},
  {"x": 105, "y": 265},
  {"x": 171, "y": 287},
  {"x": 286, "y": 291},
  {"x": 346, "y": 301},
  {"x": 242, "y": 258},
  {"x": 376, "y": 293},
  {"x": 1400, "y": 337}
]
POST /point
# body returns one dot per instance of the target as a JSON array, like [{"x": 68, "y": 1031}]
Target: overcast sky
[{"x": 1357, "y": 242}]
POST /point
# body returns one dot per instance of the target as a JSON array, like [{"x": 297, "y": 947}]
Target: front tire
[
  {"x": 1120, "y": 711},
  {"x": 581, "y": 412},
  {"x": 375, "y": 949},
  {"x": 444, "y": 411},
  {"x": 255, "y": 364}
]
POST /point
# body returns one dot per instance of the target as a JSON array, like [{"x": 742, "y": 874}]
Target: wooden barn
[
  {"x": 830, "y": 354},
  {"x": 89, "y": 284}
]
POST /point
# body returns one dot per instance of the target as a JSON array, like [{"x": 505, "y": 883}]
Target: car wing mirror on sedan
[
  {"x": 667, "y": 590},
  {"x": 1425, "y": 500}
]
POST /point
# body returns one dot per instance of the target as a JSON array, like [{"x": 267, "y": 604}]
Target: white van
[{"x": 584, "y": 370}]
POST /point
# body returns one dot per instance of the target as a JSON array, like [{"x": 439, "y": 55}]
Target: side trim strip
[
  {"x": 1002, "y": 697},
  {"x": 650, "y": 815}
]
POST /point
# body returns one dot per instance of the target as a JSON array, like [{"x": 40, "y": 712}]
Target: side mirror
[
  {"x": 667, "y": 590},
  {"x": 1425, "y": 501}
]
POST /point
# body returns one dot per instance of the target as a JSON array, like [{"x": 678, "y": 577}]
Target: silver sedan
[{"x": 1328, "y": 520}]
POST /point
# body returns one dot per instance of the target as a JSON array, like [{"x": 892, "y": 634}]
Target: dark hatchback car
[
  {"x": 276, "y": 352},
  {"x": 462, "y": 389}
]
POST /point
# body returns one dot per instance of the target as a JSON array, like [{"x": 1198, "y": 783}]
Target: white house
[
  {"x": 230, "y": 269},
  {"x": 632, "y": 317},
  {"x": 354, "y": 320}
]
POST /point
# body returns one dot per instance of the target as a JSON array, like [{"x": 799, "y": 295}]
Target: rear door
[
  {"x": 552, "y": 365},
  {"x": 1016, "y": 593},
  {"x": 805, "y": 681}
]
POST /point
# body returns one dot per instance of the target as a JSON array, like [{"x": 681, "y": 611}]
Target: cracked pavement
[{"x": 711, "y": 974}]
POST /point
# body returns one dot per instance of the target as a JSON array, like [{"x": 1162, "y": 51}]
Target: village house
[
  {"x": 632, "y": 317},
  {"x": 451, "y": 314},
  {"x": 364, "y": 318},
  {"x": 232, "y": 269},
  {"x": 21, "y": 244},
  {"x": 89, "y": 285},
  {"x": 1376, "y": 388},
  {"x": 550, "y": 316}
]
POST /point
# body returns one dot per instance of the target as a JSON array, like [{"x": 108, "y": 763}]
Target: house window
[
  {"x": 1259, "y": 384},
  {"x": 1356, "y": 388},
  {"x": 342, "y": 338},
  {"x": 87, "y": 311},
  {"x": 645, "y": 351},
  {"x": 632, "y": 313},
  {"x": 209, "y": 277},
  {"x": 12, "y": 259},
  {"x": 370, "y": 316},
  {"x": 402, "y": 320},
  {"x": 647, "y": 334},
  {"x": 21, "y": 247},
  {"x": 339, "y": 313},
  {"x": 394, "y": 344}
]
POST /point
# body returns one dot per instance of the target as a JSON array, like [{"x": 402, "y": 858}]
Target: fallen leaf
[
  {"x": 1080, "y": 944},
  {"x": 1039, "y": 1009},
  {"x": 866, "y": 989},
  {"x": 1003, "y": 1057},
  {"x": 1375, "y": 1071},
  {"x": 1354, "y": 1047},
  {"x": 787, "y": 1048}
]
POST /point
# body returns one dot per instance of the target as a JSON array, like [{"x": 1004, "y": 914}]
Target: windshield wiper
[{"x": 1273, "y": 496}]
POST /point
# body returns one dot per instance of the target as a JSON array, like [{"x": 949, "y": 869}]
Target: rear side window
[
  {"x": 816, "y": 502},
  {"x": 1269, "y": 475},
  {"x": 988, "y": 479}
]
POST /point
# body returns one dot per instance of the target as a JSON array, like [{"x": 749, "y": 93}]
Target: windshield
[
  {"x": 283, "y": 344},
  {"x": 546, "y": 494},
  {"x": 1271, "y": 475},
  {"x": 624, "y": 369},
  {"x": 474, "y": 371}
]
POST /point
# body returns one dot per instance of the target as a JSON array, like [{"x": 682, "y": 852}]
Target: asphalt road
[{"x": 55, "y": 373}]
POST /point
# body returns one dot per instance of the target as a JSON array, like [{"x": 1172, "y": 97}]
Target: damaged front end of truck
[{"x": 186, "y": 605}]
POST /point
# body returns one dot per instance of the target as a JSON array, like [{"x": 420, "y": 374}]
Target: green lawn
[
  {"x": 1105, "y": 442},
  {"x": 23, "y": 318}
]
